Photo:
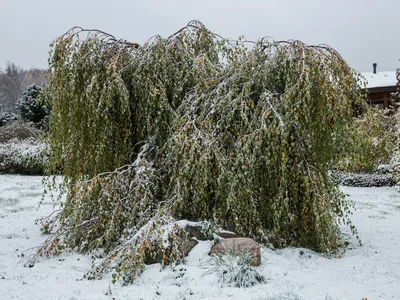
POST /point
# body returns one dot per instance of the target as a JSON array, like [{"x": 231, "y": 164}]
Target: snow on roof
[{"x": 380, "y": 79}]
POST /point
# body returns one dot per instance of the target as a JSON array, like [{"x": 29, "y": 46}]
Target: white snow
[
  {"x": 380, "y": 79},
  {"x": 370, "y": 271}
]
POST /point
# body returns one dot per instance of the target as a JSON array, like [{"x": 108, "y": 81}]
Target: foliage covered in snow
[
  {"x": 23, "y": 157},
  {"x": 22, "y": 149},
  {"x": 121, "y": 218},
  {"x": 240, "y": 136},
  {"x": 373, "y": 142}
]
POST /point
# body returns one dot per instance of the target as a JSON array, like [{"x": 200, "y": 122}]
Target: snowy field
[{"x": 370, "y": 271}]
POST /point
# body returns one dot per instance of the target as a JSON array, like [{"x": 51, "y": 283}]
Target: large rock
[{"x": 240, "y": 245}]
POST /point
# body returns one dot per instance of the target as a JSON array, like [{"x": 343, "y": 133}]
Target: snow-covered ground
[{"x": 370, "y": 271}]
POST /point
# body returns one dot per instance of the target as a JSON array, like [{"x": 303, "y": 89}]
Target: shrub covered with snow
[
  {"x": 21, "y": 149},
  {"x": 234, "y": 269},
  {"x": 366, "y": 180},
  {"x": 19, "y": 131},
  {"x": 23, "y": 157}
]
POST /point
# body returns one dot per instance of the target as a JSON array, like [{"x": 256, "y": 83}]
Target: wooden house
[{"x": 379, "y": 86}]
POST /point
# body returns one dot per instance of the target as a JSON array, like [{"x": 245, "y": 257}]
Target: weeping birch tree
[{"x": 195, "y": 126}]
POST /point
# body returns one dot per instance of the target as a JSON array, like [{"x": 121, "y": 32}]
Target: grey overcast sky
[{"x": 363, "y": 31}]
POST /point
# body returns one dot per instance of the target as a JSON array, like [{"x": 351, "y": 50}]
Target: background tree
[
  {"x": 395, "y": 97},
  {"x": 395, "y": 101},
  {"x": 32, "y": 107},
  {"x": 13, "y": 81},
  {"x": 34, "y": 76},
  {"x": 10, "y": 86}
]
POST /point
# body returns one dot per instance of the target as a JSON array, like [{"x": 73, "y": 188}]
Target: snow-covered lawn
[{"x": 371, "y": 271}]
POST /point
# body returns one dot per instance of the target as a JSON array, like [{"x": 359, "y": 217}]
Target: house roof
[{"x": 380, "y": 79}]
